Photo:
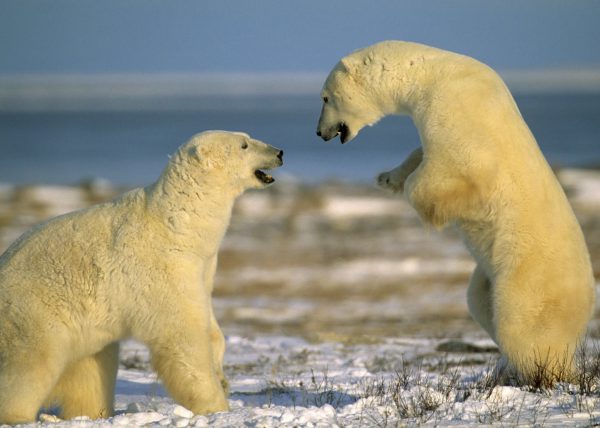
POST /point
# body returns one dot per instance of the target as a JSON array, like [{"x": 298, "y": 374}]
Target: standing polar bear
[
  {"x": 141, "y": 265},
  {"x": 480, "y": 169}
]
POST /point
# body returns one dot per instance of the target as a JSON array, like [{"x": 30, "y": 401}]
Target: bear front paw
[{"x": 387, "y": 180}]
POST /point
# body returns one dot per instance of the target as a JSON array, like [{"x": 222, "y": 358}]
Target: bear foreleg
[
  {"x": 183, "y": 357},
  {"x": 394, "y": 180},
  {"x": 440, "y": 197},
  {"x": 217, "y": 340}
]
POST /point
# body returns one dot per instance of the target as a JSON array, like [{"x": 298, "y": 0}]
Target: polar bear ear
[
  {"x": 369, "y": 59},
  {"x": 199, "y": 154},
  {"x": 209, "y": 159},
  {"x": 357, "y": 66},
  {"x": 349, "y": 64},
  {"x": 194, "y": 153}
]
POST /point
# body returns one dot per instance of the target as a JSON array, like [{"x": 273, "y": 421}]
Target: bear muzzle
[
  {"x": 340, "y": 129},
  {"x": 267, "y": 178}
]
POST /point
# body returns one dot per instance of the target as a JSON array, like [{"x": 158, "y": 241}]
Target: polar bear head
[
  {"x": 369, "y": 84},
  {"x": 231, "y": 160},
  {"x": 347, "y": 104}
]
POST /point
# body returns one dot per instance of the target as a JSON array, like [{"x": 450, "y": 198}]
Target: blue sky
[{"x": 151, "y": 36}]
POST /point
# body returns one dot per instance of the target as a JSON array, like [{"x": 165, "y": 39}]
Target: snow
[
  {"x": 288, "y": 382},
  {"x": 343, "y": 207},
  {"x": 357, "y": 270},
  {"x": 583, "y": 184}
]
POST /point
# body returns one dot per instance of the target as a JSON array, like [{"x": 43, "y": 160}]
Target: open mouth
[
  {"x": 263, "y": 176},
  {"x": 344, "y": 132}
]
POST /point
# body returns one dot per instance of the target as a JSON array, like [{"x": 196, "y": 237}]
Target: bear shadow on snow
[{"x": 295, "y": 396}]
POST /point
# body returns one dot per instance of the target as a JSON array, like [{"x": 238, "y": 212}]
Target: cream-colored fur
[
  {"x": 141, "y": 265},
  {"x": 479, "y": 168}
]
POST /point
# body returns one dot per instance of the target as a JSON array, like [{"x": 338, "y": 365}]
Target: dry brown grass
[{"x": 284, "y": 244}]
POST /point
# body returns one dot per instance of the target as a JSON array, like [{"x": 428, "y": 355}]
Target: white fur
[
  {"x": 142, "y": 266},
  {"x": 480, "y": 169}
]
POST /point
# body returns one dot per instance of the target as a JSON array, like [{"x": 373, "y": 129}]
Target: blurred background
[
  {"x": 108, "y": 89},
  {"x": 95, "y": 95}
]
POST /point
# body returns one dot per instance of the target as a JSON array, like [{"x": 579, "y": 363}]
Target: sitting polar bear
[
  {"x": 480, "y": 169},
  {"x": 141, "y": 265}
]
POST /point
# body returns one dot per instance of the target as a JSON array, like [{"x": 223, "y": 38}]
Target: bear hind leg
[
  {"x": 86, "y": 387},
  {"x": 479, "y": 300},
  {"x": 25, "y": 382},
  {"x": 539, "y": 356}
]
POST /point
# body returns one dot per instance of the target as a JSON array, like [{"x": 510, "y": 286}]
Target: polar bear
[
  {"x": 479, "y": 168},
  {"x": 139, "y": 266}
]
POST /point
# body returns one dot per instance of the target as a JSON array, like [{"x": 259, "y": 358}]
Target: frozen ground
[
  {"x": 288, "y": 382},
  {"x": 339, "y": 309}
]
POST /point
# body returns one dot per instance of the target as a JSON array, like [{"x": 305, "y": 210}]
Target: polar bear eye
[
  {"x": 325, "y": 99},
  {"x": 244, "y": 145}
]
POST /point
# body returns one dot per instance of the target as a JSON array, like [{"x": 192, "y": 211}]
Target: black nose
[
  {"x": 280, "y": 155},
  {"x": 318, "y": 133}
]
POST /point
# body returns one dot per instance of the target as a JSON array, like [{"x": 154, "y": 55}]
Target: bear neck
[
  {"x": 191, "y": 207},
  {"x": 426, "y": 85},
  {"x": 407, "y": 86}
]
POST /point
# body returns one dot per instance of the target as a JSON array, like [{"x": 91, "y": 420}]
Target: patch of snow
[
  {"x": 583, "y": 184},
  {"x": 362, "y": 206},
  {"x": 56, "y": 200},
  {"x": 352, "y": 272},
  {"x": 300, "y": 384}
]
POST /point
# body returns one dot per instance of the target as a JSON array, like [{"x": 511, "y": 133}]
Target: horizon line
[{"x": 27, "y": 92}]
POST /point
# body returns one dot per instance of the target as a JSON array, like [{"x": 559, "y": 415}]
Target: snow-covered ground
[
  {"x": 339, "y": 309},
  {"x": 288, "y": 382}
]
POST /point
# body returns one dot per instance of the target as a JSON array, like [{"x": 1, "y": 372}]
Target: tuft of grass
[
  {"x": 588, "y": 368},
  {"x": 411, "y": 394},
  {"x": 318, "y": 391},
  {"x": 324, "y": 391}
]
